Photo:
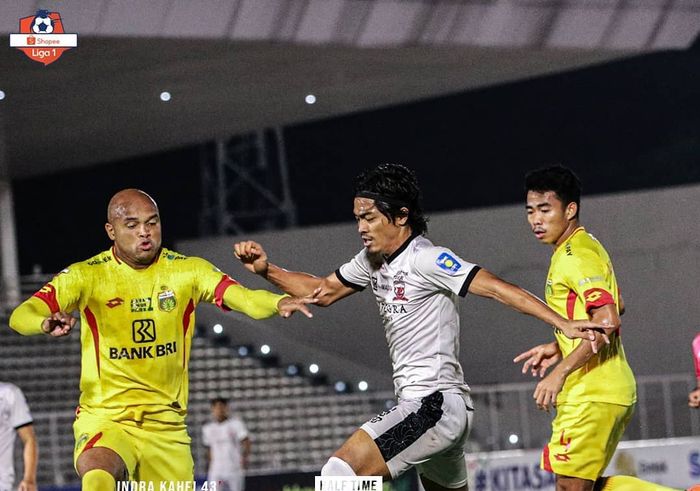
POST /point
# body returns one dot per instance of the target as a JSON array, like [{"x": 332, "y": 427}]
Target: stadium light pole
[{"x": 8, "y": 236}]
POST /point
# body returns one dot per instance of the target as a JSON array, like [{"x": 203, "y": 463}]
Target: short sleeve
[
  {"x": 211, "y": 283},
  {"x": 64, "y": 291},
  {"x": 589, "y": 276},
  {"x": 355, "y": 273},
  {"x": 206, "y": 439},
  {"x": 20, "y": 415},
  {"x": 241, "y": 430},
  {"x": 445, "y": 269}
]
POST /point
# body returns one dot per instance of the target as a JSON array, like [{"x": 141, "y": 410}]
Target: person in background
[
  {"x": 15, "y": 419},
  {"x": 228, "y": 447}
]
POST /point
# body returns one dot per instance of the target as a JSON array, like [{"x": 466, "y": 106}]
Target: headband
[{"x": 379, "y": 197}]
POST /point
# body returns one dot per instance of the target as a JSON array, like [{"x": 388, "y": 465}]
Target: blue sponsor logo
[
  {"x": 694, "y": 459},
  {"x": 448, "y": 263}
]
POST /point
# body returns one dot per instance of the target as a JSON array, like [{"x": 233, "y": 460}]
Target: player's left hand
[
  {"x": 27, "y": 486},
  {"x": 288, "y": 305},
  {"x": 547, "y": 390}
]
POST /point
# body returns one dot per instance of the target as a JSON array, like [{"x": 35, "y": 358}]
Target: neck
[
  {"x": 128, "y": 261},
  {"x": 570, "y": 229},
  {"x": 403, "y": 236}
]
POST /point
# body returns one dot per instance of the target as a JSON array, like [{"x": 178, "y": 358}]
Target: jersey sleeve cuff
[
  {"x": 347, "y": 283},
  {"x": 23, "y": 425},
  {"x": 468, "y": 281}
]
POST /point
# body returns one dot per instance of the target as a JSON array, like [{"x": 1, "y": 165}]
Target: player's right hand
[
  {"x": 58, "y": 324},
  {"x": 252, "y": 255},
  {"x": 539, "y": 358},
  {"x": 694, "y": 398}
]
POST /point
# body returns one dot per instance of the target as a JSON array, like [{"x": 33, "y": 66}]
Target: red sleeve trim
[
  {"x": 597, "y": 297},
  {"x": 48, "y": 295},
  {"x": 220, "y": 289}
]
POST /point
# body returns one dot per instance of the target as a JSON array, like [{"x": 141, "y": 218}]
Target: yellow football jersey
[
  {"x": 137, "y": 327},
  {"x": 580, "y": 278}
]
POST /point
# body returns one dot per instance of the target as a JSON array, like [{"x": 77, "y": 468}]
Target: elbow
[
  {"x": 14, "y": 322},
  {"x": 612, "y": 325}
]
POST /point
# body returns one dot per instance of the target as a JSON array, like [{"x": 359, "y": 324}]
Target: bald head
[
  {"x": 133, "y": 223},
  {"x": 125, "y": 199}
]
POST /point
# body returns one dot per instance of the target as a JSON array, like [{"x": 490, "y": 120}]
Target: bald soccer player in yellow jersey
[
  {"x": 136, "y": 303},
  {"x": 594, "y": 393}
]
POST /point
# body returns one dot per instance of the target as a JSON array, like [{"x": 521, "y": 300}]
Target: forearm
[
  {"x": 27, "y": 318},
  {"x": 525, "y": 302},
  {"x": 295, "y": 283},
  {"x": 31, "y": 455},
  {"x": 576, "y": 359},
  {"x": 258, "y": 304}
]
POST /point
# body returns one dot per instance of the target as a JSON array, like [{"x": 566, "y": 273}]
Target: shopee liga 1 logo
[{"x": 41, "y": 37}]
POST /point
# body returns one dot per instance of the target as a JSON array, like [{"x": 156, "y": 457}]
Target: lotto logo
[{"x": 593, "y": 297}]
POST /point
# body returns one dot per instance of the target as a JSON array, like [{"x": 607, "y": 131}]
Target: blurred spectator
[
  {"x": 228, "y": 445},
  {"x": 694, "y": 396},
  {"x": 15, "y": 417}
]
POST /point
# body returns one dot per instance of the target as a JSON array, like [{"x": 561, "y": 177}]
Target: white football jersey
[
  {"x": 224, "y": 442},
  {"x": 416, "y": 290},
  {"x": 14, "y": 413}
]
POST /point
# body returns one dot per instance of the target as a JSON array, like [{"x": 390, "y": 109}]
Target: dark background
[{"x": 624, "y": 125}]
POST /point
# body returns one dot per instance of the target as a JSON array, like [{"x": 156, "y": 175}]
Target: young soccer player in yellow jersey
[
  {"x": 136, "y": 303},
  {"x": 594, "y": 393}
]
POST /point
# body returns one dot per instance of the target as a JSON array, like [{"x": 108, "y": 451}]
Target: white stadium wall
[{"x": 653, "y": 238}]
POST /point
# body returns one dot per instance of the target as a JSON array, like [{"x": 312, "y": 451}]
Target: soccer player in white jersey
[
  {"x": 15, "y": 418},
  {"x": 416, "y": 285},
  {"x": 228, "y": 445}
]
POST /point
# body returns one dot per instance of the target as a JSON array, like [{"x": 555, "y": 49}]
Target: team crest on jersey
[
  {"x": 448, "y": 263},
  {"x": 400, "y": 286},
  {"x": 166, "y": 300}
]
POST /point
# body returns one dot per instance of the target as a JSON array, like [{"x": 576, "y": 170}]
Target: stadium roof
[{"x": 236, "y": 66}]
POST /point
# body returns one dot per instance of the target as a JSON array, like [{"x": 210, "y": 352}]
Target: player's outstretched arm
[
  {"x": 34, "y": 317},
  {"x": 298, "y": 284},
  {"x": 262, "y": 304},
  {"x": 486, "y": 284}
]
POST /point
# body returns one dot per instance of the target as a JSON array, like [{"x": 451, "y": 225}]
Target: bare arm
[
  {"x": 486, "y": 284},
  {"x": 31, "y": 456},
  {"x": 298, "y": 284},
  {"x": 548, "y": 389},
  {"x": 245, "y": 452}
]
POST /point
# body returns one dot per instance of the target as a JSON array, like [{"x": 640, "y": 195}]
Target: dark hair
[
  {"x": 393, "y": 186},
  {"x": 559, "y": 179},
  {"x": 219, "y": 400}
]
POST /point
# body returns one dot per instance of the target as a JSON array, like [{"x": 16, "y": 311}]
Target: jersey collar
[{"x": 402, "y": 248}]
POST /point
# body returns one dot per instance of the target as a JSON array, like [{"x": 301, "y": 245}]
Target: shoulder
[
  {"x": 581, "y": 247},
  {"x": 95, "y": 263},
  {"x": 11, "y": 391},
  {"x": 170, "y": 258},
  {"x": 431, "y": 257}
]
